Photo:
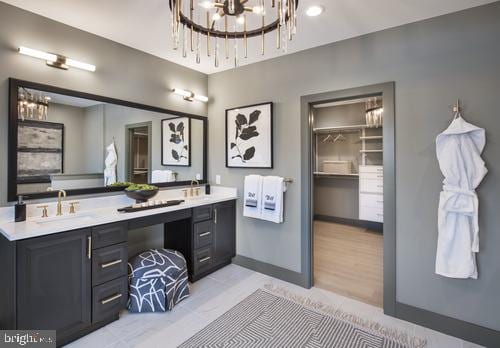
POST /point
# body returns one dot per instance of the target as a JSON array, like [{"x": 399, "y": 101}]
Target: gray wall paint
[
  {"x": 433, "y": 62},
  {"x": 122, "y": 72},
  {"x": 93, "y": 138},
  {"x": 336, "y": 197}
]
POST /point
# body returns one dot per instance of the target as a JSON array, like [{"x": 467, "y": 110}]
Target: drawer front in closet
[
  {"x": 371, "y": 214},
  {"x": 371, "y": 169},
  {"x": 371, "y": 200},
  {"x": 371, "y": 185},
  {"x": 371, "y": 176}
]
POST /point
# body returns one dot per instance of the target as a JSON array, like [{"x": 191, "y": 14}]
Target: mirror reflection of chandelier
[
  {"x": 31, "y": 106},
  {"x": 233, "y": 22}
]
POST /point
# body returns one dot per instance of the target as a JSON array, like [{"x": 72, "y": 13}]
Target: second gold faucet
[{"x": 60, "y": 195}]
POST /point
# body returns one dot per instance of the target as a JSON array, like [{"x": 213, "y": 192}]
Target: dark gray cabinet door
[
  {"x": 224, "y": 219},
  {"x": 53, "y": 282}
]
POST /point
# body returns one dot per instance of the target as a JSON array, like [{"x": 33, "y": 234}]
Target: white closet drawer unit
[
  {"x": 371, "y": 169},
  {"x": 371, "y": 176},
  {"x": 371, "y": 214},
  {"x": 371, "y": 185},
  {"x": 371, "y": 201}
]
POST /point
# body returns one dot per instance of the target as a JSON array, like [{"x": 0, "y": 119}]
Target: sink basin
[{"x": 67, "y": 219}]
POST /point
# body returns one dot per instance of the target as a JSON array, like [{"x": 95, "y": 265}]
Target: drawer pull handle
[
  {"x": 205, "y": 259},
  {"x": 380, "y": 185},
  {"x": 112, "y": 298},
  {"x": 215, "y": 216},
  {"x": 380, "y": 176},
  {"x": 380, "y": 201},
  {"x": 112, "y": 263},
  {"x": 89, "y": 247},
  {"x": 380, "y": 214},
  {"x": 205, "y": 234}
]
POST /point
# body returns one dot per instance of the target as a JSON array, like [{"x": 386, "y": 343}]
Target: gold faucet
[
  {"x": 60, "y": 194},
  {"x": 197, "y": 184}
]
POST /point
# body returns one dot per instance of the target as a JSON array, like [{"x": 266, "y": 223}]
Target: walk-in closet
[{"x": 348, "y": 198}]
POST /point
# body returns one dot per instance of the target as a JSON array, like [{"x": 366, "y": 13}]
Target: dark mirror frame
[{"x": 14, "y": 85}]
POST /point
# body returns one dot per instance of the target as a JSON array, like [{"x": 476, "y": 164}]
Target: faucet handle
[
  {"x": 44, "y": 210},
  {"x": 72, "y": 208},
  {"x": 185, "y": 192},
  {"x": 197, "y": 190}
]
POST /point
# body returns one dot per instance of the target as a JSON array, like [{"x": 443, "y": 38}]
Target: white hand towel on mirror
[
  {"x": 159, "y": 176},
  {"x": 252, "y": 196},
  {"x": 273, "y": 188}
]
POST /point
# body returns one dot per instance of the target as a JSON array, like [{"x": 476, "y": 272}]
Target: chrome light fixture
[
  {"x": 231, "y": 21},
  {"x": 56, "y": 60},
  {"x": 190, "y": 96}
]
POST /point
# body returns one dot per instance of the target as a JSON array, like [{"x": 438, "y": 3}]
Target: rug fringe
[{"x": 396, "y": 335}]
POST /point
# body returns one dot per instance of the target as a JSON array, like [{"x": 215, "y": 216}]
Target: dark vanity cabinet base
[
  {"x": 207, "y": 240},
  {"x": 76, "y": 282}
]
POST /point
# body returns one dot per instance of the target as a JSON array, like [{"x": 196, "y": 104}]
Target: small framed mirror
[{"x": 84, "y": 143}]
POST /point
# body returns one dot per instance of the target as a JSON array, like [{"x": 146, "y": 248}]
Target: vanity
[
  {"x": 70, "y": 274},
  {"x": 65, "y": 267}
]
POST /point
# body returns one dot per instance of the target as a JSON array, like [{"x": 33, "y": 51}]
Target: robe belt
[{"x": 455, "y": 199}]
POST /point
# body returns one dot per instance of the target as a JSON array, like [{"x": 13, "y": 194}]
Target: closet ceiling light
[
  {"x": 189, "y": 96},
  {"x": 314, "y": 10},
  {"x": 56, "y": 60}
]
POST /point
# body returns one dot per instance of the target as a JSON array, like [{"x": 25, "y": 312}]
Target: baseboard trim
[
  {"x": 271, "y": 270},
  {"x": 450, "y": 326},
  {"x": 370, "y": 225}
]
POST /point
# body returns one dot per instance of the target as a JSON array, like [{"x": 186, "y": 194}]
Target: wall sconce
[
  {"x": 56, "y": 60},
  {"x": 189, "y": 96}
]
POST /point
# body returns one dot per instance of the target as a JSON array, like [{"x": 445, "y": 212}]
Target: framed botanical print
[
  {"x": 176, "y": 141},
  {"x": 249, "y": 136}
]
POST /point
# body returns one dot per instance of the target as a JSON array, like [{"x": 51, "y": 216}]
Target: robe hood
[{"x": 459, "y": 126}]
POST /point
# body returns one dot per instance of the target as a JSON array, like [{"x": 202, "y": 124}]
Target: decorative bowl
[{"x": 141, "y": 196}]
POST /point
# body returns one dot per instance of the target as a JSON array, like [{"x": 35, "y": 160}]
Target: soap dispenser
[{"x": 20, "y": 209}]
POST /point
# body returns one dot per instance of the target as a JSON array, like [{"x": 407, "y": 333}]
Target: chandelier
[
  {"x": 31, "y": 106},
  {"x": 230, "y": 23}
]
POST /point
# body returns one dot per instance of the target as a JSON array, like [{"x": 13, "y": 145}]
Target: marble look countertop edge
[{"x": 104, "y": 215}]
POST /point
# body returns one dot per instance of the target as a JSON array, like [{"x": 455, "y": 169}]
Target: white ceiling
[{"x": 146, "y": 24}]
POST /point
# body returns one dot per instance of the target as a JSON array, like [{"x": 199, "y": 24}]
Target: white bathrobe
[
  {"x": 110, "y": 163},
  {"x": 459, "y": 151}
]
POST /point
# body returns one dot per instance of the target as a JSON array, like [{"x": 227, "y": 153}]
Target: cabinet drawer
[
  {"x": 371, "y": 214},
  {"x": 371, "y": 169},
  {"x": 371, "y": 200},
  {"x": 375, "y": 176},
  {"x": 202, "y": 213},
  {"x": 203, "y": 259},
  {"x": 109, "y": 298},
  {"x": 203, "y": 233},
  {"x": 371, "y": 185},
  {"x": 109, "y": 263},
  {"x": 109, "y": 234}
]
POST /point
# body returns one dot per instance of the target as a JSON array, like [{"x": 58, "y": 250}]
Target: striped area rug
[{"x": 275, "y": 318}]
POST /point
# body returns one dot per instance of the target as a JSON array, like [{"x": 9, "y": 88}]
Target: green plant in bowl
[
  {"x": 121, "y": 184},
  {"x": 141, "y": 187}
]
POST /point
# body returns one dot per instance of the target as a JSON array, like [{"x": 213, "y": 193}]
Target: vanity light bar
[
  {"x": 56, "y": 60},
  {"x": 190, "y": 96}
]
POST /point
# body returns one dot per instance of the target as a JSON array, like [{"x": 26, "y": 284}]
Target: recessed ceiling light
[{"x": 314, "y": 10}]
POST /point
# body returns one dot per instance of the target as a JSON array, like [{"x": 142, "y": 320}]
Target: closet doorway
[{"x": 350, "y": 189}]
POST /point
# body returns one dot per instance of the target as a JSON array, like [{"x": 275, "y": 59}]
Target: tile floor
[{"x": 217, "y": 293}]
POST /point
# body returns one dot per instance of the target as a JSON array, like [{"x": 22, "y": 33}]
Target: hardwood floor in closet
[{"x": 348, "y": 260}]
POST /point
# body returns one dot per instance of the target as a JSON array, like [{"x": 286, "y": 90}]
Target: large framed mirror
[{"x": 84, "y": 143}]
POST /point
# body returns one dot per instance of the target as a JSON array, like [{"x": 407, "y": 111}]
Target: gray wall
[
  {"x": 122, "y": 72},
  {"x": 432, "y": 62}
]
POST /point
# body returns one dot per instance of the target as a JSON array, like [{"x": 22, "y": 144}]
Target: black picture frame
[
  {"x": 15, "y": 84},
  {"x": 271, "y": 135},
  {"x": 166, "y": 140}
]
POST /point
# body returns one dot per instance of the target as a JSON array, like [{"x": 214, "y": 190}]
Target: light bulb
[
  {"x": 315, "y": 10},
  {"x": 216, "y": 16},
  {"x": 240, "y": 20}
]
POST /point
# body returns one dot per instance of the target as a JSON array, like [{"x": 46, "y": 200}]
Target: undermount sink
[{"x": 66, "y": 219}]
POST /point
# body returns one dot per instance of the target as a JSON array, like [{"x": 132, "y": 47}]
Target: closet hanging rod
[{"x": 339, "y": 128}]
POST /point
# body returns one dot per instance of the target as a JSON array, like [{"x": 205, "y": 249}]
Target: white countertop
[{"x": 97, "y": 211}]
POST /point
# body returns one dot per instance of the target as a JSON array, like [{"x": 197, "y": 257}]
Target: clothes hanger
[
  {"x": 327, "y": 138},
  {"x": 457, "y": 110},
  {"x": 339, "y": 137}
]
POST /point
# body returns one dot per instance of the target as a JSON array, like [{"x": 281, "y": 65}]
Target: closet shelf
[
  {"x": 374, "y": 137},
  {"x": 339, "y": 128},
  {"x": 371, "y": 151},
  {"x": 333, "y": 175}
]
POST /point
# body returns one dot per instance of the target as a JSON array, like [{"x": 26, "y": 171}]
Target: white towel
[
  {"x": 252, "y": 196},
  {"x": 273, "y": 188},
  {"x": 159, "y": 176}
]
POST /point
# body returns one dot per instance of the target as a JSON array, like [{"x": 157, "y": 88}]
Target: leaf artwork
[
  {"x": 245, "y": 130},
  {"x": 177, "y": 137}
]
